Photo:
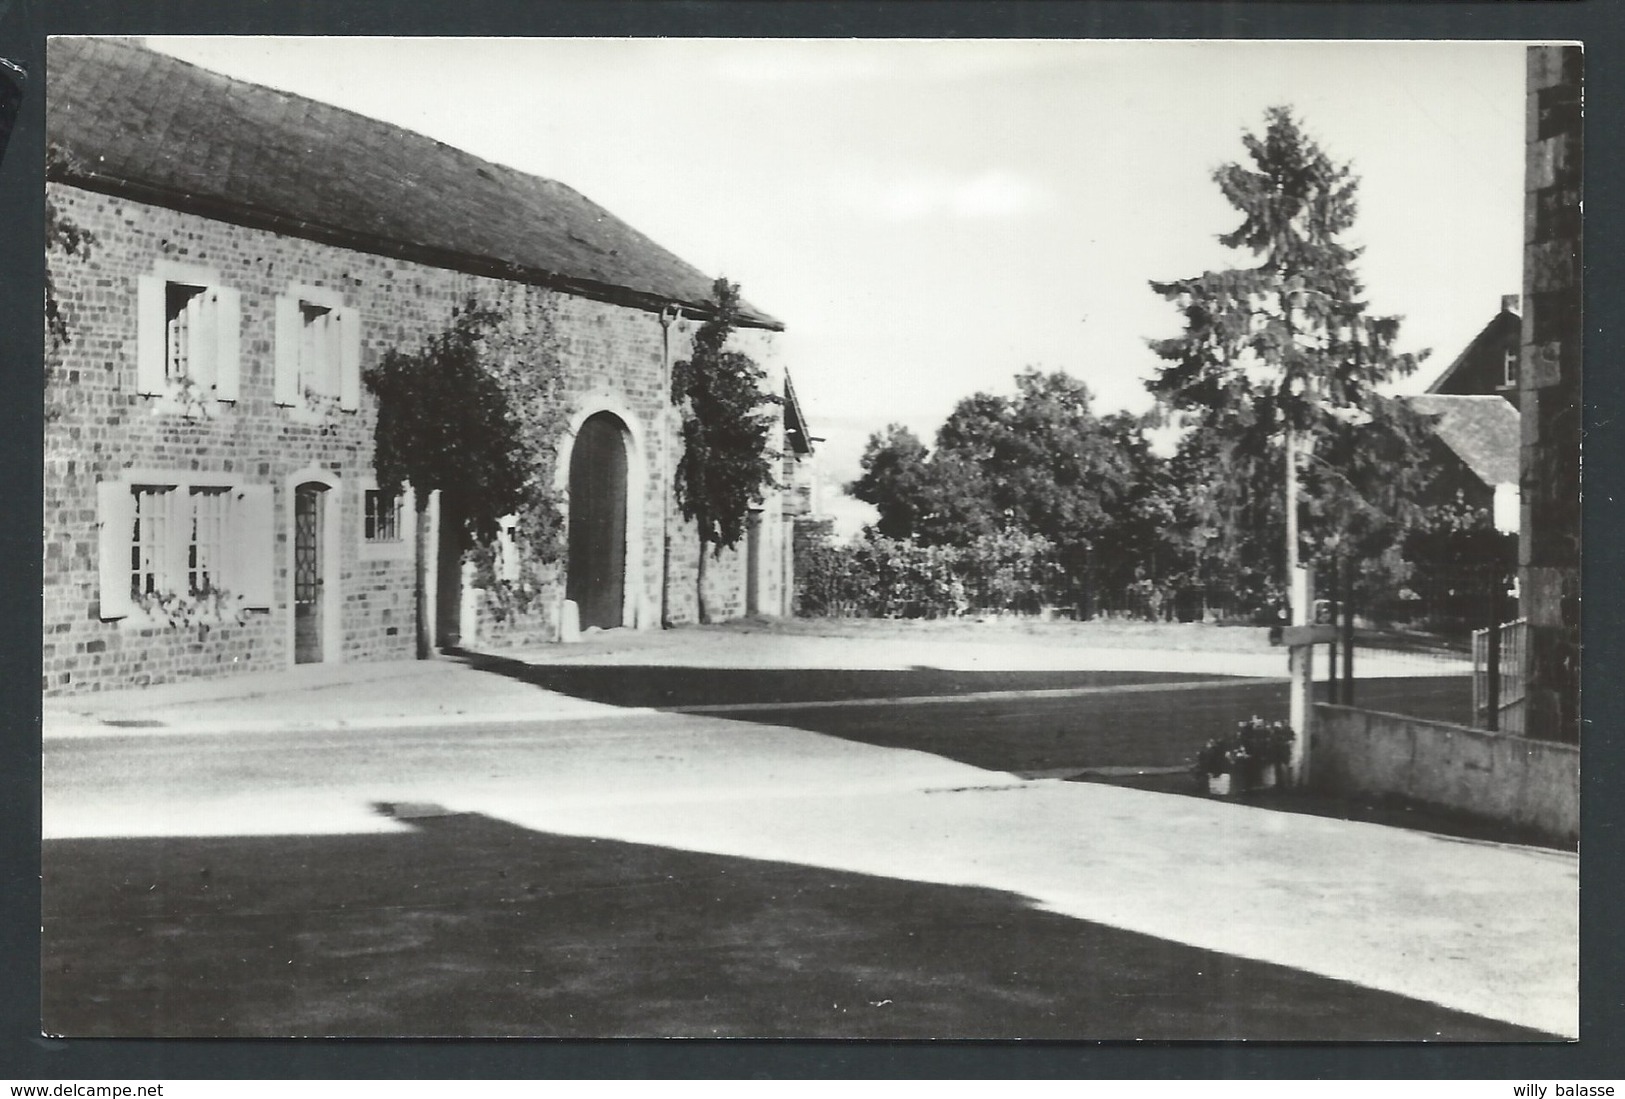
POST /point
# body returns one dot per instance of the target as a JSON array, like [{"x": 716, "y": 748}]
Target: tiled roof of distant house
[
  {"x": 150, "y": 127},
  {"x": 1482, "y": 431}
]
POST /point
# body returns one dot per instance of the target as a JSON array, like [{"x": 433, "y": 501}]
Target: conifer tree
[
  {"x": 1288, "y": 345},
  {"x": 726, "y": 463}
]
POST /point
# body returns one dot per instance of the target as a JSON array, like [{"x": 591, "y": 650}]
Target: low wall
[{"x": 1530, "y": 783}]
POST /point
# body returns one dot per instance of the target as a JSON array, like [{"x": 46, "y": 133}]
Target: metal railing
[{"x": 1509, "y": 707}]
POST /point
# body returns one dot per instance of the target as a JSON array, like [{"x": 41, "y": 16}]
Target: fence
[{"x": 1510, "y": 683}]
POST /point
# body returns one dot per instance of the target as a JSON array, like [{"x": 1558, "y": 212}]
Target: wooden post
[
  {"x": 1332, "y": 693},
  {"x": 1492, "y": 649},
  {"x": 1348, "y": 633},
  {"x": 1300, "y": 662}
]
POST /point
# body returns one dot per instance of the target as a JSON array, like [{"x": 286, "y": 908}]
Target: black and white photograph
[{"x": 846, "y": 538}]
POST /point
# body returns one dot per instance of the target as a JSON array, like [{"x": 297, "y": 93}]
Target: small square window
[{"x": 381, "y": 522}]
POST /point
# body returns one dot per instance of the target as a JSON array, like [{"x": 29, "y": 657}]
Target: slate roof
[
  {"x": 1483, "y": 431},
  {"x": 138, "y": 123}
]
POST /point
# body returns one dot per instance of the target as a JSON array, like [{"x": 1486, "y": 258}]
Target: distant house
[
  {"x": 209, "y": 496},
  {"x": 1474, "y": 448},
  {"x": 1489, "y": 364}
]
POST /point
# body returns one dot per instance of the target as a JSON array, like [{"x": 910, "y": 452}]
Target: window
[
  {"x": 150, "y": 539},
  {"x": 162, "y": 537},
  {"x": 381, "y": 521},
  {"x": 318, "y": 350},
  {"x": 184, "y": 324},
  {"x": 188, "y": 336},
  {"x": 1509, "y": 368},
  {"x": 207, "y": 549}
]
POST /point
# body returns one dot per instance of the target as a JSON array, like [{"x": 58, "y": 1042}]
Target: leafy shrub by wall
[{"x": 879, "y": 577}]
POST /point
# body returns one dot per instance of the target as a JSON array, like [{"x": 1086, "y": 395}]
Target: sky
[{"x": 930, "y": 217}]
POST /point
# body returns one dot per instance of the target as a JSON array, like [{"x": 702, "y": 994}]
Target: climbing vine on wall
[{"x": 476, "y": 413}]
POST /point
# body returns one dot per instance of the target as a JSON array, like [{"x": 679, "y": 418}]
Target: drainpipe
[{"x": 669, "y": 314}]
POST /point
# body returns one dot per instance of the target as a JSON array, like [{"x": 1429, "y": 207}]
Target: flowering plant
[
  {"x": 1253, "y": 745},
  {"x": 209, "y": 607}
]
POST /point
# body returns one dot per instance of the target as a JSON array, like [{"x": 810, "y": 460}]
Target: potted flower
[{"x": 1252, "y": 755}]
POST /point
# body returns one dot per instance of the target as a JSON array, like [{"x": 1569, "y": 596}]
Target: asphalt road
[
  {"x": 1024, "y": 722},
  {"x": 639, "y": 873}
]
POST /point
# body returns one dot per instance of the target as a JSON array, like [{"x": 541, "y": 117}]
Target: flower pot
[{"x": 1220, "y": 786}]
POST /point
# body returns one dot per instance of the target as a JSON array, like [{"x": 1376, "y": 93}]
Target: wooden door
[
  {"x": 307, "y": 574},
  {"x": 597, "y": 577}
]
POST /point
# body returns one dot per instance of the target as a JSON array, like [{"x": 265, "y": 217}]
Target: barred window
[{"x": 382, "y": 517}]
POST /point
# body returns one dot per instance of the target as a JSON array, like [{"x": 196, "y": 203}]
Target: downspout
[{"x": 669, "y": 314}]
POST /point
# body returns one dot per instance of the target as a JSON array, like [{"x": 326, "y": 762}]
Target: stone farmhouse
[{"x": 210, "y": 504}]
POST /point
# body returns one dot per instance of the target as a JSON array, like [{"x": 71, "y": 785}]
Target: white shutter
[
  {"x": 228, "y": 320},
  {"x": 115, "y": 511},
  {"x": 349, "y": 323},
  {"x": 255, "y": 534},
  {"x": 288, "y": 332},
  {"x": 201, "y": 310},
  {"x": 150, "y": 336},
  {"x": 178, "y": 526}
]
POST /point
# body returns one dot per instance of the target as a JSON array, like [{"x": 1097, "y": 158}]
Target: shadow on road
[{"x": 466, "y": 926}]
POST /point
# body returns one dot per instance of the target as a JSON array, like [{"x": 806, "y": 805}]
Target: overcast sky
[{"x": 930, "y": 217}]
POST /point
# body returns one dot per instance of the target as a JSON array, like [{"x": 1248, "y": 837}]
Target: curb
[{"x": 94, "y": 729}]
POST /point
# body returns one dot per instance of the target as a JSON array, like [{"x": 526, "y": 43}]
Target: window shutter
[
  {"x": 115, "y": 509},
  {"x": 178, "y": 529},
  {"x": 256, "y": 545},
  {"x": 201, "y": 312},
  {"x": 349, "y": 321},
  {"x": 288, "y": 332},
  {"x": 228, "y": 319},
  {"x": 150, "y": 336}
]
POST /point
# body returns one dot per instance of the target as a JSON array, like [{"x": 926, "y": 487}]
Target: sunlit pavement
[{"x": 1483, "y": 928}]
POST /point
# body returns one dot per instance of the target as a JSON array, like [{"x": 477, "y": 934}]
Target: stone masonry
[
  {"x": 1549, "y": 549},
  {"x": 612, "y": 357}
]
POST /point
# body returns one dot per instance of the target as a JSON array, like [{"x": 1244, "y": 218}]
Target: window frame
[
  {"x": 310, "y": 317},
  {"x": 172, "y": 292},
  {"x": 404, "y": 547},
  {"x": 149, "y": 541}
]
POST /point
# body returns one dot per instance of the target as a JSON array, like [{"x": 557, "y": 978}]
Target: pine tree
[
  {"x": 726, "y": 463},
  {"x": 1288, "y": 347}
]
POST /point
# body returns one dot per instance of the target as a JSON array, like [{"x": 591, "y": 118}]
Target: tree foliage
[
  {"x": 726, "y": 425},
  {"x": 63, "y": 237},
  {"x": 1289, "y": 343},
  {"x": 446, "y": 422},
  {"x": 1038, "y": 463}
]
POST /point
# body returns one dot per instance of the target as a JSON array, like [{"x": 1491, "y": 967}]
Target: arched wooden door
[{"x": 597, "y": 577}]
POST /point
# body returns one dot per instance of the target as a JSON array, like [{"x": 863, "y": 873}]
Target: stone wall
[
  {"x": 1533, "y": 784},
  {"x": 100, "y": 429},
  {"x": 1549, "y": 391}
]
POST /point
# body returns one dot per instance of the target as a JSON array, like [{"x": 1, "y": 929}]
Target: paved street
[{"x": 431, "y": 832}]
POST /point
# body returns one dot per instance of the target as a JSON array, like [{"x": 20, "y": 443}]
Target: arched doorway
[{"x": 597, "y": 576}]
